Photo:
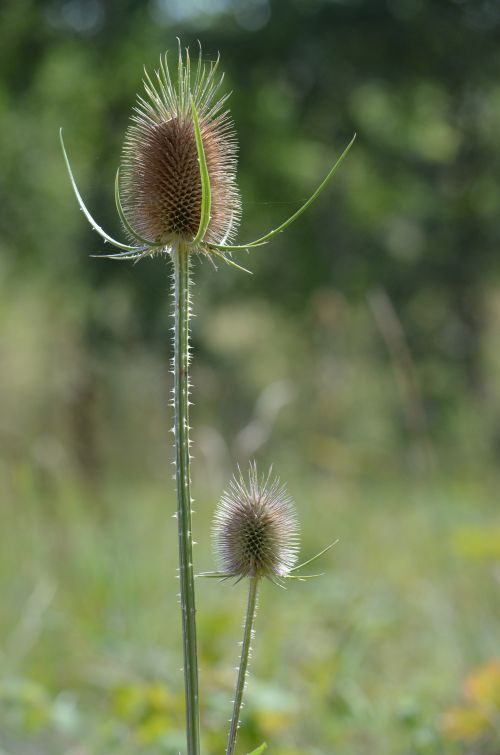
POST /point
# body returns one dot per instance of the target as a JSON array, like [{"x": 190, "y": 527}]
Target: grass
[{"x": 365, "y": 659}]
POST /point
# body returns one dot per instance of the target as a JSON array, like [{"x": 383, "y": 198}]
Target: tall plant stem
[
  {"x": 245, "y": 654},
  {"x": 182, "y": 460}
]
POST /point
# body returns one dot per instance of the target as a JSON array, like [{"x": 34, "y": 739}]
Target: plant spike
[{"x": 200, "y": 74}]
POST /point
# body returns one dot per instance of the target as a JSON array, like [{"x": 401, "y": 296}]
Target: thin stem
[
  {"x": 245, "y": 653},
  {"x": 181, "y": 403}
]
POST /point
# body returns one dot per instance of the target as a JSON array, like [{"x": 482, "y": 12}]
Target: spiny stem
[
  {"x": 245, "y": 653},
  {"x": 180, "y": 255}
]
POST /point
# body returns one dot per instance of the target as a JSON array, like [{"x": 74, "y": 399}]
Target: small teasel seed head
[
  {"x": 160, "y": 179},
  {"x": 255, "y": 530}
]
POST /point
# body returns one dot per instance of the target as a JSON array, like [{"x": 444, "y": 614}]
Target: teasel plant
[
  {"x": 176, "y": 197},
  {"x": 255, "y": 536}
]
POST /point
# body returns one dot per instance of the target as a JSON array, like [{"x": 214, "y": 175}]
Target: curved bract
[
  {"x": 93, "y": 223},
  {"x": 145, "y": 242},
  {"x": 270, "y": 234}
]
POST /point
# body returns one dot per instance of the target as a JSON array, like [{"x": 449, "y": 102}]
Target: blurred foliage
[{"x": 361, "y": 358}]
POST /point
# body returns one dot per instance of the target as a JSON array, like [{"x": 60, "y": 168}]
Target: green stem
[
  {"x": 182, "y": 459},
  {"x": 242, "y": 672}
]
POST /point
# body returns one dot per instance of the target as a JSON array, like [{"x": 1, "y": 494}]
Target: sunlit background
[{"x": 361, "y": 359}]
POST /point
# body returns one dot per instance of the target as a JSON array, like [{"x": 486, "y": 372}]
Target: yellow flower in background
[
  {"x": 483, "y": 686},
  {"x": 480, "y": 717},
  {"x": 465, "y": 724}
]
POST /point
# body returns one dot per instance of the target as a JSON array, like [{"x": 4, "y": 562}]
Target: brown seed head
[
  {"x": 255, "y": 530},
  {"x": 160, "y": 172}
]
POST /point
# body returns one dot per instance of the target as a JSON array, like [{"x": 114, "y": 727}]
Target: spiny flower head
[
  {"x": 255, "y": 529},
  {"x": 160, "y": 173},
  {"x": 177, "y": 181}
]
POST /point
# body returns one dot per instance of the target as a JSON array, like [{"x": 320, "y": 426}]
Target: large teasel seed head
[
  {"x": 160, "y": 179},
  {"x": 255, "y": 529},
  {"x": 176, "y": 185}
]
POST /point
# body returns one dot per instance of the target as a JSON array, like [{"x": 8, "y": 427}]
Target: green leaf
[
  {"x": 87, "y": 214},
  {"x": 259, "y": 749},
  {"x": 280, "y": 228},
  {"x": 124, "y": 220},
  {"x": 206, "y": 193}
]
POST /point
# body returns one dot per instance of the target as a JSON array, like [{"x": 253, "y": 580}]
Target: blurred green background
[{"x": 361, "y": 359}]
